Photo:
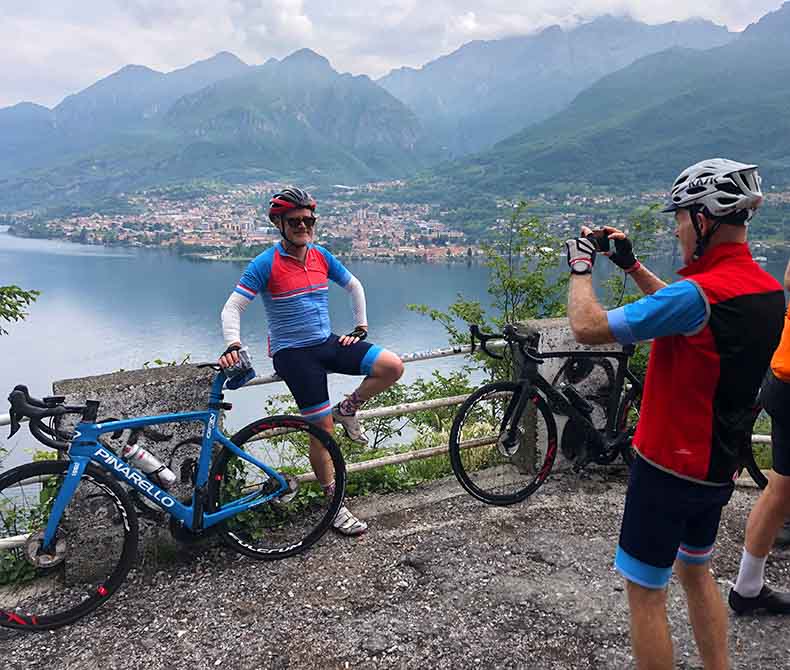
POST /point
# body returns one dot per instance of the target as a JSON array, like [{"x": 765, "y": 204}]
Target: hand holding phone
[{"x": 600, "y": 238}]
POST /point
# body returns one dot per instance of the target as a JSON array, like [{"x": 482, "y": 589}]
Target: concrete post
[{"x": 556, "y": 335}]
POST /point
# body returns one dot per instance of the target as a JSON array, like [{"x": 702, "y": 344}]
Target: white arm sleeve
[
  {"x": 354, "y": 287},
  {"x": 231, "y": 318}
]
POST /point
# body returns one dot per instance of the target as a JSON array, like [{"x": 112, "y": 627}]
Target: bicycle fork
[{"x": 65, "y": 494}]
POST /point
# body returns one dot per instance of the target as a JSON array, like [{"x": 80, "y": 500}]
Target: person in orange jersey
[{"x": 772, "y": 508}]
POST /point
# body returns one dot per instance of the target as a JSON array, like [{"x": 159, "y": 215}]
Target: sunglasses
[{"x": 294, "y": 221}]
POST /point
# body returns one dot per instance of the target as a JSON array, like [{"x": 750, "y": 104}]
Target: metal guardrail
[
  {"x": 403, "y": 409},
  {"x": 414, "y": 357}
]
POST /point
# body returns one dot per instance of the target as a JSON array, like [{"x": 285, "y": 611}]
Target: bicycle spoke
[
  {"x": 92, "y": 551},
  {"x": 498, "y": 457}
]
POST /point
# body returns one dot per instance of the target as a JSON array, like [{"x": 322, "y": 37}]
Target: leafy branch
[{"x": 13, "y": 304}]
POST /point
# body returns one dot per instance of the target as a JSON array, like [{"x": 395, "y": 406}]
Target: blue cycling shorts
[
  {"x": 304, "y": 370},
  {"x": 666, "y": 518}
]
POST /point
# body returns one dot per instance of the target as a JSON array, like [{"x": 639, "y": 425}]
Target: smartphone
[{"x": 600, "y": 239}]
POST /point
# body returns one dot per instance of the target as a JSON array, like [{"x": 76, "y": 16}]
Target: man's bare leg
[
  {"x": 768, "y": 515},
  {"x": 387, "y": 369},
  {"x": 650, "y": 636},
  {"x": 707, "y": 613},
  {"x": 319, "y": 456}
]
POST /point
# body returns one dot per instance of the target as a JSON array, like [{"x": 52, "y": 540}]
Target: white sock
[{"x": 751, "y": 576}]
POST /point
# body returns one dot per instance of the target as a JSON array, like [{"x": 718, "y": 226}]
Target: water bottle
[
  {"x": 241, "y": 372},
  {"x": 149, "y": 464}
]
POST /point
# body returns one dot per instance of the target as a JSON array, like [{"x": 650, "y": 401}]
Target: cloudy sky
[{"x": 51, "y": 48}]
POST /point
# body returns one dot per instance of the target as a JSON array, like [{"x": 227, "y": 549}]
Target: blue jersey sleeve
[
  {"x": 338, "y": 272},
  {"x": 677, "y": 309},
  {"x": 256, "y": 276}
]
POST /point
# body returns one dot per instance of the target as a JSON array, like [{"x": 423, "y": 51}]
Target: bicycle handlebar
[
  {"x": 25, "y": 405},
  {"x": 527, "y": 342},
  {"x": 484, "y": 338}
]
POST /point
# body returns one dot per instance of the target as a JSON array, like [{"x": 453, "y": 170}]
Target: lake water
[{"x": 105, "y": 309}]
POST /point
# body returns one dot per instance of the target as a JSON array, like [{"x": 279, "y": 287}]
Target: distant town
[{"x": 232, "y": 224}]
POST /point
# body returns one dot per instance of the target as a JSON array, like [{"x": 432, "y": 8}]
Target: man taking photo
[{"x": 713, "y": 336}]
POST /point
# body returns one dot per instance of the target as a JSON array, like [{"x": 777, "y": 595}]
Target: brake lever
[{"x": 14, "y": 424}]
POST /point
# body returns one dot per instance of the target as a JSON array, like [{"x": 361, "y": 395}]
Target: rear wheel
[
  {"x": 754, "y": 470},
  {"x": 627, "y": 419},
  {"x": 750, "y": 461},
  {"x": 290, "y": 519},
  {"x": 95, "y": 545},
  {"x": 495, "y": 464}
]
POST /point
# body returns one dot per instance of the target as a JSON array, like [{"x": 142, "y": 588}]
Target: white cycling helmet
[{"x": 721, "y": 186}]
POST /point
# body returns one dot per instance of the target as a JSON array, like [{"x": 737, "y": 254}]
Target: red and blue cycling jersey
[
  {"x": 714, "y": 333},
  {"x": 295, "y": 294},
  {"x": 676, "y": 309}
]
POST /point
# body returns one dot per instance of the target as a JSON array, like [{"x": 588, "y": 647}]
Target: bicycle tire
[
  {"x": 626, "y": 419},
  {"x": 89, "y": 564},
  {"x": 754, "y": 470},
  {"x": 498, "y": 463},
  {"x": 264, "y": 532}
]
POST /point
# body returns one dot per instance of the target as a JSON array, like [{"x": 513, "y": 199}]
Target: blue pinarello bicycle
[{"x": 69, "y": 528}]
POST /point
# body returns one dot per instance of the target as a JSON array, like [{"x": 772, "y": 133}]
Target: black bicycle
[{"x": 503, "y": 441}]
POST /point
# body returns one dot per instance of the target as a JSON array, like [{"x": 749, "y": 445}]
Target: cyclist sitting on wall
[
  {"x": 713, "y": 336},
  {"x": 292, "y": 280}
]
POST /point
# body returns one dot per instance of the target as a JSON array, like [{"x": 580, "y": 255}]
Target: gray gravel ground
[{"x": 440, "y": 581}]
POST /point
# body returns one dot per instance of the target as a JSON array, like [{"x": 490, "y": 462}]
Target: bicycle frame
[
  {"x": 85, "y": 448},
  {"x": 531, "y": 378},
  {"x": 621, "y": 374}
]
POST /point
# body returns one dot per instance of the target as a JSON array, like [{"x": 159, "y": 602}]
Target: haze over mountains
[
  {"x": 488, "y": 90},
  {"x": 637, "y": 127},
  {"x": 607, "y": 102}
]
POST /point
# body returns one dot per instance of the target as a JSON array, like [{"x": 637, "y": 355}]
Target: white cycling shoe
[
  {"x": 351, "y": 426},
  {"x": 346, "y": 523}
]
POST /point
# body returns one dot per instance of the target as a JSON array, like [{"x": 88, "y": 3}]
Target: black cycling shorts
[
  {"x": 304, "y": 370},
  {"x": 775, "y": 399},
  {"x": 666, "y": 518}
]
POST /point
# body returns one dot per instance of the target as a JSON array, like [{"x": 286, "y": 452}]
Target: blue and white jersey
[
  {"x": 295, "y": 294},
  {"x": 676, "y": 309}
]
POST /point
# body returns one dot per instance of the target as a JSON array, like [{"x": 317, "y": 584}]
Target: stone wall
[
  {"x": 185, "y": 388},
  {"x": 556, "y": 335},
  {"x": 165, "y": 390}
]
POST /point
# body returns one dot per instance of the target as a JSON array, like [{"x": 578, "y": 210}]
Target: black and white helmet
[{"x": 722, "y": 186}]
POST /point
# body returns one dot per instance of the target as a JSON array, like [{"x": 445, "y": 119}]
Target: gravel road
[{"x": 440, "y": 581}]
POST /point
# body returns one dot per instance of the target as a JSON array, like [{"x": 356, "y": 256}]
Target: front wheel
[
  {"x": 95, "y": 545},
  {"x": 497, "y": 457},
  {"x": 293, "y": 518}
]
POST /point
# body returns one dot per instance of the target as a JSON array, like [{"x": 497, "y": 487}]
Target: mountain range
[
  {"x": 219, "y": 119},
  {"x": 488, "y": 90},
  {"x": 610, "y": 103},
  {"x": 638, "y": 127}
]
